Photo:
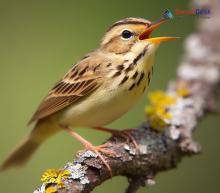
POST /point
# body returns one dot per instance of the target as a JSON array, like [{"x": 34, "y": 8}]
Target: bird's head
[{"x": 132, "y": 34}]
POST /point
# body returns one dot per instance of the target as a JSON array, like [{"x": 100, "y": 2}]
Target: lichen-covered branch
[{"x": 193, "y": 93}]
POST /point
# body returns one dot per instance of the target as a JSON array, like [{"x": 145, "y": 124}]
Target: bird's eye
[{"x": 126, "y": 34}]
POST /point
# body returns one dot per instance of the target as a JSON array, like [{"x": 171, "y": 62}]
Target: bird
[{"x": 98, "y": 89}]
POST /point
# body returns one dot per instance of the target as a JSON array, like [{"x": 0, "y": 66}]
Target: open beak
[{"x": 146, "y": 34}]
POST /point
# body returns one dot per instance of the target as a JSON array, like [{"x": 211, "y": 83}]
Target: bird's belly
[{"x": 102, "y": 107}]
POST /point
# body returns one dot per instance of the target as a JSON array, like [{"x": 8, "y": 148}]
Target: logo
[{"x": 201, "y": 12}]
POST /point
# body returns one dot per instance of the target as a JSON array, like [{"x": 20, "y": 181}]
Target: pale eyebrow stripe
[{"x": 127, "y": 22}]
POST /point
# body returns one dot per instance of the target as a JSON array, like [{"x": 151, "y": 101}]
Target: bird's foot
[
  {"x": 124, "y": 134},
  {"x": 99, "y": 150},
  {"x": 96, "y": 149},
  {"x": 127, "y": 135}
]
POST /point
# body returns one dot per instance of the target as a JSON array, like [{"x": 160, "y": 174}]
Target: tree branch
[{"x": 158, "y": 151}]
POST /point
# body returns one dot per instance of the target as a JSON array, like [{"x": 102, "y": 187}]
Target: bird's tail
[{"x": 23, "y": 151}]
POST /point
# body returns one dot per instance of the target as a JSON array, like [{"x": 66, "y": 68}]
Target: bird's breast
[{"x": 117, "y": 94}]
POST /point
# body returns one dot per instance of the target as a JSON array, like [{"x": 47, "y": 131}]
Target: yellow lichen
[
  {"x": 183, "y": 91},
  {"x": 161, "y": 98},
  {"x": 51, "y": 189},
  {"x": 55, "y": 176},
  {"x": 157, "y": 109}
]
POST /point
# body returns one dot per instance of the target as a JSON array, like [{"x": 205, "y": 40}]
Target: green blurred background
[{"x": 40, "y": 40}]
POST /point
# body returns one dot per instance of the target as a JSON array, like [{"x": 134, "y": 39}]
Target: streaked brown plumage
[{"x": 100, "y": 88}]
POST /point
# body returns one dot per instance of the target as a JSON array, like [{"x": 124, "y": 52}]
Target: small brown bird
[{"x": 99, "y": 89}]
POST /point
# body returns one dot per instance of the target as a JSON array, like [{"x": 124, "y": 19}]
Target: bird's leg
[
  {"x": 91, "y": 147},
  {"x": 124, "y": 133}
]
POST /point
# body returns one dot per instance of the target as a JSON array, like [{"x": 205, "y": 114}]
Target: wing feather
[{"x": 69, "y": 90}]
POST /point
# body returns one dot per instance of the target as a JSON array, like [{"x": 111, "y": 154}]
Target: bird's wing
[{"x": 82, "y": 80}]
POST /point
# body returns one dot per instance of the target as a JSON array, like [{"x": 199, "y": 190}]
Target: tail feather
[{"x": 23, "y": 152}]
